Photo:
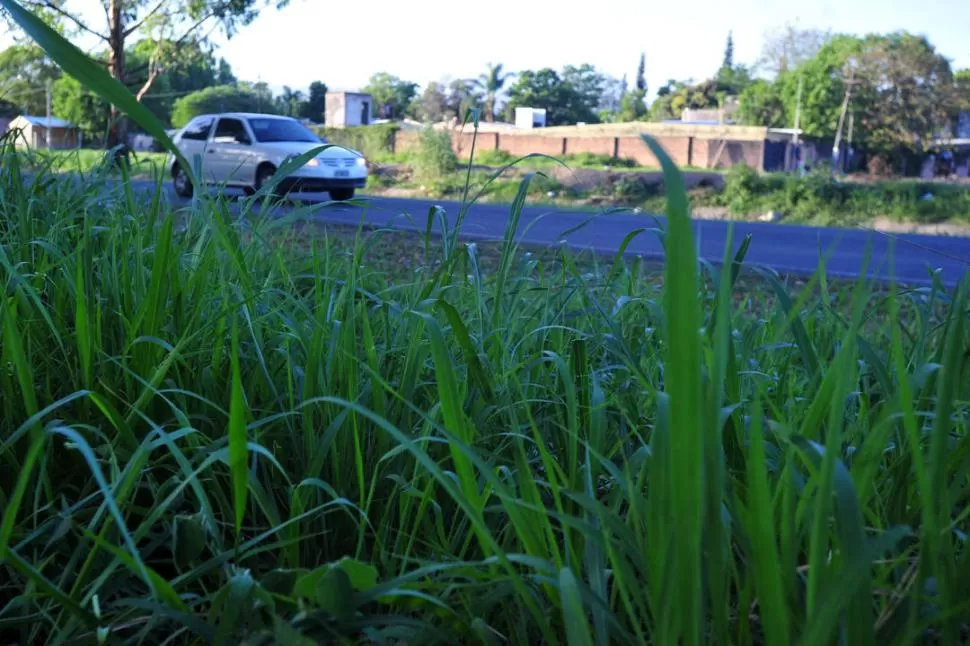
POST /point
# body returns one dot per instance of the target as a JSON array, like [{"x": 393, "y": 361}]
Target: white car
[{"x": 243, "y": 150}]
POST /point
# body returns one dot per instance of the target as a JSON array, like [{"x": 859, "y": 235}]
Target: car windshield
[{"x": 277, "y": 130}]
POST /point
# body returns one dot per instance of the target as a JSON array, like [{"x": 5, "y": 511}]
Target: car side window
[
  {"x": 198, "y": 129},
  {"x": 232, "y": 128}
]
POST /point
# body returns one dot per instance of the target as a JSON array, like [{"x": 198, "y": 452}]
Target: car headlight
[
  {"x": 361, "y": 161},
  {"x": 313, "y": 162}
]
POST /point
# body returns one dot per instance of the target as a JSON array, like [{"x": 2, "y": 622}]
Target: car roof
[{"x": 245, "y": 115}]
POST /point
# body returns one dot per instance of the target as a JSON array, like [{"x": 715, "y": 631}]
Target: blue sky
[{"x": 342, "y": 43}]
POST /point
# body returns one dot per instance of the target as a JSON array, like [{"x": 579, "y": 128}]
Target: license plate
[{"x": 341, "y": 173}]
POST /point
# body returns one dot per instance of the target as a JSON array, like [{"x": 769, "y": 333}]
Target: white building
[
  {"x": 44, "y": 132},
  {"x": 528, "y": 118},
  {"x": 348, "y": 109}
]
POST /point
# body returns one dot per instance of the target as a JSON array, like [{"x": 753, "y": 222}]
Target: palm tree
[{"x": 492, "y": 82}]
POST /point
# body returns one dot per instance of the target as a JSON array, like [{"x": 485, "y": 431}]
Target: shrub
[
  {"x": 375, "y": 142},
  {"x": 434, "y": 157}
]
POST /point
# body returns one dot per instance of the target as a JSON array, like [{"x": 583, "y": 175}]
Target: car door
[
  {"x": 229, "y": 151},
  {"x": 192, "y": 142}
]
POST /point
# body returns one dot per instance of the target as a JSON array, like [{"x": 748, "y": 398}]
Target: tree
[
  {"x": 728, "y": 62},
  {"x": 587, "y": 85},
  {"x": 633, "y": 106},
  {"x": 463, "y": 95},
  {"x": 823, "y": 86},
  {"x": 789, "y": 46},
  {"x": 732, "y": 81},
  {"x": 962, "y": 81},
  {"x": 491, "y": 83},
  {"x": 169, "y": 24},
  {"x": 315, "y": 107},
  {"x": 677, "y": 96},
  {"x": 222, "y": 98},
  {"x": 196, "y": 68},
  {"x": 290, "y": 102},
  {"x": 906, "y": 95},
  {"x": 72, "y": 101},
  {"x": 392, "y": 97},
  {"x": 611, "y": 95},
  {"x": 642, "y": 74},
  {"x": 25, "y": 72},
  {"x": 903, "y": 93},
  {"x": 433, "y": 104},
  {"x": 761, "y": 104},
  {"x": 568, "y": 98}
]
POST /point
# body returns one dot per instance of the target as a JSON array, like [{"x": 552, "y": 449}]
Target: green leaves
[
  {"x": 78, "y": 65},
  {"x": 684, "y": 483},
  {"x": 238, "y": 437}
]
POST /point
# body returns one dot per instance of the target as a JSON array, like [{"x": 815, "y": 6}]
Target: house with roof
[{"x": 45, "y": 132}]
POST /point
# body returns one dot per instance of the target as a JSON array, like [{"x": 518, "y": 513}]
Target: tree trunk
[{"x": 118, "y": 133}]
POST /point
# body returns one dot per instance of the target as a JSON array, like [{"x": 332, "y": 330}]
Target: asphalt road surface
[{"x": 786, "y": 248}]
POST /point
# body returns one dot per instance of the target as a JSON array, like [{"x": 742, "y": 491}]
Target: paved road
[{"x": 785, "y": 248}]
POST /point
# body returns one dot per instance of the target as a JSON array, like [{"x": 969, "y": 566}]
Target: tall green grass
[{"x": 211, "y": 434}]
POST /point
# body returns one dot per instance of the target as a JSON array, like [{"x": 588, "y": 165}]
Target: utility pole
[
  {"x": 798, "y": 109},
  {"x": 48, "y": 123},
  {"x": 851, "y": 124},
  {"x": 845, "y": 108}
]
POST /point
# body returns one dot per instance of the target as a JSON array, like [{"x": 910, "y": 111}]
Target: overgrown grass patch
[
  {"x": 86, "y": 161},
  {"x": 448, "y": 442},
  {"x": 210, "y": 435}
]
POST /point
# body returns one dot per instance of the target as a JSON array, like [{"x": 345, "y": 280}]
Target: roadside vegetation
[
  {"x": 222, "y": 427},
  {"x": 84, "y": 161}
]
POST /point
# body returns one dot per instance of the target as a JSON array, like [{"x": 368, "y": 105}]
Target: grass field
[
  {"x": 91, "y": 161},
  {"x": 229, "y": 430}
]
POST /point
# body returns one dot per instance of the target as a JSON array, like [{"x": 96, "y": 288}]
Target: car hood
[{"x": 287, "y": 148}]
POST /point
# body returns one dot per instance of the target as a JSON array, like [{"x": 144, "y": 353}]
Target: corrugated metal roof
[{"x": 44, "y": 122}]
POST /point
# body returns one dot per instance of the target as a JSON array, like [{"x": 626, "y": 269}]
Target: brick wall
[
  {"x": 593, "y": 145},
  {"x": 679, "y": 149},
  {"x": 462, "y": 142},
  {"x": 684, "y": 151},
  {"x": 721, "y": 153},
  {"x": 522, "y": 145}
]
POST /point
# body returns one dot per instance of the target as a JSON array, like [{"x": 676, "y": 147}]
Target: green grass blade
[{"x": 682, "y": 382}]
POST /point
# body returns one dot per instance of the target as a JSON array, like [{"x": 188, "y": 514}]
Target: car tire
[
  {"x": 264, "y": 174},
  {"x": 341, "y": 194},
  {"x": 182, "y": 183}
]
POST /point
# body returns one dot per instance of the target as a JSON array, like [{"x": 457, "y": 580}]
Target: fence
[{"x": 685, "y": 151}]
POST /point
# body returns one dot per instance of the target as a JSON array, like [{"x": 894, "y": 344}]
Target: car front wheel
[
  {"x": 341, "y": 194},
  {"x": 264, "y": 175},
  {"x": 182, "y": 183}
]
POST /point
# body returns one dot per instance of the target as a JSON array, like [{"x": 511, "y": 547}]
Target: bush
[
  {"x": 375, "y": 142},
  {"x": 434, "y": 156}
]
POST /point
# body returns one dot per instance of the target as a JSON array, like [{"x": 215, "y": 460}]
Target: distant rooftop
[{"x": 44, "y": 122}]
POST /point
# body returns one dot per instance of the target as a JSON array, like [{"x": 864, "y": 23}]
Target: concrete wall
[
  {"x": 683, "y": 150},
  {"x": 354, "y": 110}
]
